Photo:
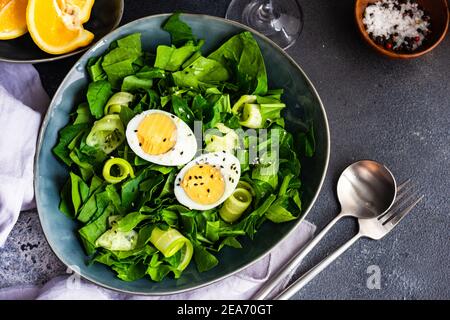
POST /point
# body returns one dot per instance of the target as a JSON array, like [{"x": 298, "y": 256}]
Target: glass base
[{"x": 279, "y": 20}]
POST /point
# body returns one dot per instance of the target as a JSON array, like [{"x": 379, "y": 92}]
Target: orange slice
[
  {"x": 13, "y": 21},
  {"x": 56, "y": 27},
  {"x": 84, "y": 6}
]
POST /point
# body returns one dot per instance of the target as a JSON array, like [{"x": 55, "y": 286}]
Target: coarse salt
[{"x": 398, "y": 25}]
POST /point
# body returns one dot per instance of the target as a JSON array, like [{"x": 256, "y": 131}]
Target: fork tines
[{"x": 405, "y": 201}]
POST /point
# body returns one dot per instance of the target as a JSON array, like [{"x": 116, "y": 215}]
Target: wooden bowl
[{"x": 439, "y": 14}]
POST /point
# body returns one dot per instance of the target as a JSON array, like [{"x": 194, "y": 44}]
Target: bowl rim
[
  {"x": 72, "y": 53},
  {"x": 258, "y": 258},
  {"x": 392, "y": 54}
]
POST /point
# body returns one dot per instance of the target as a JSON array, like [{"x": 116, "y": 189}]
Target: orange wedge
[
  {"x": 13, "y": 21},
  {"x": 85, "y": 7},
  {"x": 56, "y": 27}
]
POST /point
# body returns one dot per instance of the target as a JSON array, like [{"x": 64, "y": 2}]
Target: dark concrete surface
[{"x": 396, "y": 112}]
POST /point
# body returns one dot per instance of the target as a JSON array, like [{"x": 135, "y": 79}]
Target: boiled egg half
[
  {"x": 161, "y": 137},
  {"x": 207, "y": 181}
]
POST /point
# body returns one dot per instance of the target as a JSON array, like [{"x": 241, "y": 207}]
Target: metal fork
[{"x": 374, "y": 228}]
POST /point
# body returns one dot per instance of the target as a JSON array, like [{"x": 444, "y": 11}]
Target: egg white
[
  {"x": 223, "y": 161},
  {"x": 185, "y": 147}
]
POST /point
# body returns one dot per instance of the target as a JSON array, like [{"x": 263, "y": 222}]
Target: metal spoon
[{"x": 366, "y": 189}]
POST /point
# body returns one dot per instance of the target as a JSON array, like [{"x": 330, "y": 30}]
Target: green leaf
[
  {"x": 65, "y": 204},
  {"x": 130, "y": 272},
  {"x": 242, "y": 56},
  {"x": 251, "y": 222},
  {"x": 83, "y": 114},
  {"x": 126, "y": 114},
  {"x": 282, "y": 210},
  {"x": 179, "y": 31},
  {"x": 66, "y": 136},
  {"x": 95, "y": 229},
  {"x": 118, "y": 62},
  {"x": 172, "y": 58},
  {"x": 134, "y": 83},
  {"x": 181, "y": 109},
  {"x": 130, "y": 221},
  {"x": 230, "y": 242},
  {"x": 97, "y": 96},
  {"x": 95, "y": 70},
  {"x": 147, "y": 72},
  {"x": 79, "y": 191},
  {"x": 202, "y": 72},
  {"x": 203, "y": 259}
]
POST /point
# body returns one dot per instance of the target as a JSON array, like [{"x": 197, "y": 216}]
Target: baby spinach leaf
[
  {"x": 171, "y": 58},
  {"x": 66, "y": 136},
  {"x": 65, "y": 204},
  {"x": 95, "y": 70},
  {"x": 203, "y": 259},
  {"x": 83, "y": 114},
  {"x": 181, "y": 109},
  {"x": 241, "y": 54},
  {"x": 130, "y": 271},
  {"x": 180, "y": 32},
  {"x": 118, "y": 62},
  {"x": 202, "y": 72},
  {"x": 134, "y": 83},
  {"x": 90, "y": 232},
  {"x": 97, "y": 95}
]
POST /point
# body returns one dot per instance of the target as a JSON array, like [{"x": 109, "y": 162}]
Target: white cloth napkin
[{"x": 22, "y": 103}]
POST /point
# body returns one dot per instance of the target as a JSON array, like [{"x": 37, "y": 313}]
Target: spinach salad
[{"x": 145, "y": 205}]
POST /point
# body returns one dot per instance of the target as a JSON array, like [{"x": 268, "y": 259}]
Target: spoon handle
[
  {"x": 267, "y": 288},
  {"x": 309, "y": 275}
]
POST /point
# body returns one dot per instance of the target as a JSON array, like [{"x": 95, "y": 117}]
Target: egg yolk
[
  {"x": 203, "y": 184},
  {"x": 157, "y": 134}
]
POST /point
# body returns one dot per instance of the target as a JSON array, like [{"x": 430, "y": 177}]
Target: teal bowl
[{"x": 303, "y": 104}]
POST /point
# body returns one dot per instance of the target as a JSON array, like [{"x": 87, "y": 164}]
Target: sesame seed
[
  {"x": 212, "y": 176},
  {"x": 223, "y": 151},
  {"x": 201, "y": 167},
  {"x": 208, "y": 190},
  {"x": 178, "y": 184},
  {"x": 223, "y": 159},
  {"x": 190, "y": 177},
  {"x": 181, "y": 153},
  {"x": 165, "y": 139},
  {"x": 221, "y": 166},
  {"x": 195, "y": 184},
  {"x": 140, "y": 144},
  {"x": 135, "y": 130},
  {"x": 201, "y": 183}
]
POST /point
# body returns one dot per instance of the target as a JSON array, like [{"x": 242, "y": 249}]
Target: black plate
[{"x": 105, "y": 17}]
